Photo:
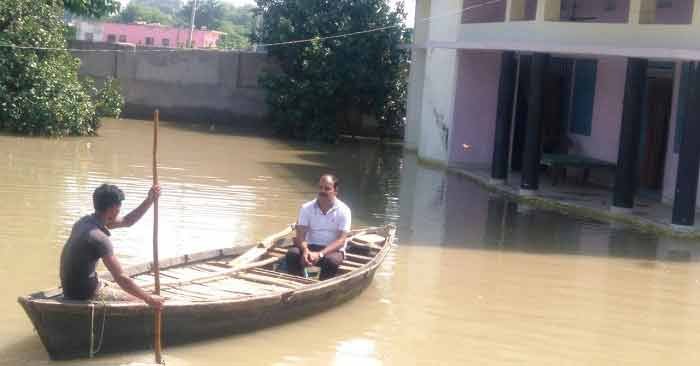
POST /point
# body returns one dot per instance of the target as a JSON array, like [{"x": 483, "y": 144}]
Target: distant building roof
[{"x": 158, "y": 25}]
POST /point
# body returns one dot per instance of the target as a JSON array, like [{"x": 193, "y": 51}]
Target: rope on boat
[
  {"x": 92, "y": 326},
  {"x": 93, "y": 351}
]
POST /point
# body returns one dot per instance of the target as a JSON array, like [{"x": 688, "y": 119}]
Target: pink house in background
[{"x": 145, "y": 35}]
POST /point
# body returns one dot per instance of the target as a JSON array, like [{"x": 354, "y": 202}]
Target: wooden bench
[{"x": 559, "y": 162}]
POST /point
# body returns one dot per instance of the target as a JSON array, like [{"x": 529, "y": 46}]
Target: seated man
[
  {"x": 89, "y": 241},
  {"x": 322, "y": 229}
]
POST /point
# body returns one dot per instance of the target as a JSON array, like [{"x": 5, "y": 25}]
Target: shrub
[
  {"x": 40, "y": 93},
  {"x": 109, "y": 101},
  {"x": 327, "y": 81}
]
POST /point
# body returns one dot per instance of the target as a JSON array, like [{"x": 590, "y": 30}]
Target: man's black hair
[
  {"x": 106, "y": 196},
  {"x": 334, "y": 179}
]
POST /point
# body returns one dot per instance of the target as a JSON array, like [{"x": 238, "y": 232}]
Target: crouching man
[
  {"x": 322, "y": 229},
  {"x": 89, "y": 242}
]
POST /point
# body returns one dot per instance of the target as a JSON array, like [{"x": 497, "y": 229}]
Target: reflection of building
[
  {"x": 422, "y": 197},
  {"x": 602, "y": 79},
  {"x": 147, "y": 35},
  {"x": 446, "y": 210}
]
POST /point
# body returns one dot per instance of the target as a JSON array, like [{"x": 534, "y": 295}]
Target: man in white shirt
[{"x": 322, "y": 230}]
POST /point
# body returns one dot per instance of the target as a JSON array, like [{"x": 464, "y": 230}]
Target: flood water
[{"x": 473, "y": 279}]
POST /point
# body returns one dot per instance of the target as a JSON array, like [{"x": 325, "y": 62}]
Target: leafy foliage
[
  {"x": 109, "y": 101},
  {"x": 142, "y": 13},
  {"x": 235, "y": 22},
  {"x": 210, "y": 13},
  {"x": 167, "y": 7},
  {"x": 237, "y": 25},
  {"x": 325, "y": 83},
  {"x": 235, "y": 36},
  {"x": 40, "y": 93},
  {"x": 90, "y": 8}
]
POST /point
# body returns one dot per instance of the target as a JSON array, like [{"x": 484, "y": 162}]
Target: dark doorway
[
  {"x": 555, "y": 108},
  {"x": 655, "y": 124},
  {"x": 555, "y": 111}
]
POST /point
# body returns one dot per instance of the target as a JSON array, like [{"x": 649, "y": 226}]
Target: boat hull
[
  {"x": 66, "y": 334},
  {"x": 77, "y": 329}
]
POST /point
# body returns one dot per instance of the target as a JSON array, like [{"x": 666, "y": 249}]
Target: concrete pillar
[
  {"x": 504, "y": 116},
  {"x": 520, "y": 115},
  {"x": 414, "y": 109},
  {"x": 626, "y": 178},
  {"x": 633, "y": 12},
  {"x": 515, "y": 10},
  {"x": 688, "y": 154},
  {"x": 548, "y": 10},
  {"x": 695, "y": 20},
  {"x": 416, "y": 78},
  {"x": 642, "y": 12},
  {"x": 421, "y": 27},
  {"x": 533, "y": 132}
]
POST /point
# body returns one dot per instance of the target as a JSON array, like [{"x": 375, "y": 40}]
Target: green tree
[
  {"x": 241, "y": 15},
  {"x": 210, "y": 14},
  {"x": 236, "y": 22},
  {"x": 141, "y": 13},
  {"x": 40, "y": 93},
  {"x": 326, "y": 83},
  {"x": 89, "y": 8},
  {"x": 168, "y": 7},
  {"x": 237, "y": 25},
  {"x": 235, "y": 36}
]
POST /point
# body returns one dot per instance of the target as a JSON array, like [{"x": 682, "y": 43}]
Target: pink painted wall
[
  {"x": 607, "y": 111},
  {"x": 599, "y": 9},
  {"x": 493, "y": 12},
  {"x": 676, "y": 12},
  {"x": 137, "y": 33},
  {"x": 475, "y": 107}
]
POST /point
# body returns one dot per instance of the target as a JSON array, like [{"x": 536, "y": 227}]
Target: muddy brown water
[{"x": 473, "y": 279}]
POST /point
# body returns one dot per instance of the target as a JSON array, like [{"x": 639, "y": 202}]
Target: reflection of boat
[{"x": 211, "y": 293}]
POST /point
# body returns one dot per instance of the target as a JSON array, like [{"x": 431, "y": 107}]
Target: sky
[{"x": 410, "y": 7}]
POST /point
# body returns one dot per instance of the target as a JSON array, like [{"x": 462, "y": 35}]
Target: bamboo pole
[{"x": 156, "y": 268}]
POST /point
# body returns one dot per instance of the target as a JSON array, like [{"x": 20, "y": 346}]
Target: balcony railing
[{"x": 589, "y": 11}]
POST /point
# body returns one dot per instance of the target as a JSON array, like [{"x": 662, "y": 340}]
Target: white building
[{"x": 609, "y": 80}]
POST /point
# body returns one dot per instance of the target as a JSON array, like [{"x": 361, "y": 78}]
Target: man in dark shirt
[{"x": 89, "y": 241}]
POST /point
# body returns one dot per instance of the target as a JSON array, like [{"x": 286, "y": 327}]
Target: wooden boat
[{"x": 210, "y": 294}]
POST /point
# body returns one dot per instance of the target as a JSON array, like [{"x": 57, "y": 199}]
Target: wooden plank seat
[
  {"x": 368, "y": 239},
  {"x": 279, "y": 282},
  {"x": 358, "y": 258},
  {"x": 286, "y": 276},
  {"x": 557, "y": 164}
]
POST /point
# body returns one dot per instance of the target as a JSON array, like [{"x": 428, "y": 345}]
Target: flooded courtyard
[{"x": 473, "y": 278}]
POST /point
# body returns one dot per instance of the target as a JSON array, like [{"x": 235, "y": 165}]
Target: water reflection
[
  {"x": 452, "y": 211},
  {"x": 356, "y": 352}
]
